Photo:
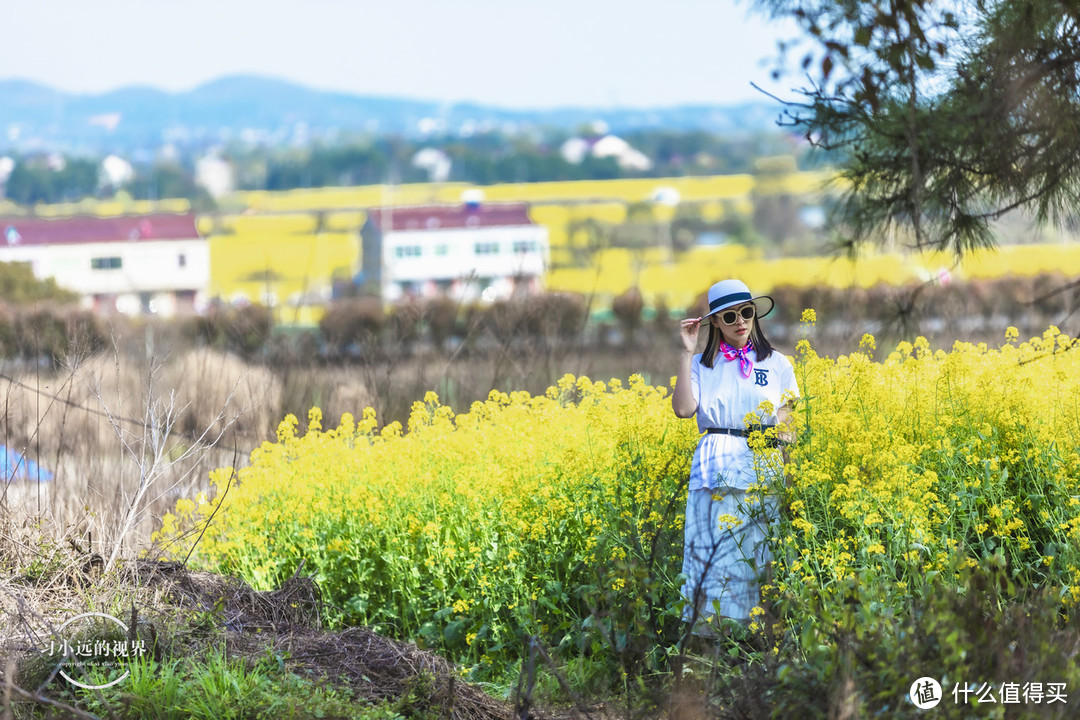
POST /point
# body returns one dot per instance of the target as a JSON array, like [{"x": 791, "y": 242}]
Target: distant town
[{"x": 247, "y": 133}]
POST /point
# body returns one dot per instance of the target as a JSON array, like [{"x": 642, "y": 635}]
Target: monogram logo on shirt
[{"x": 761, "y": 378}]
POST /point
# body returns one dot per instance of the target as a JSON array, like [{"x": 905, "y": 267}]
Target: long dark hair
[{"x": 762, "y": 347}]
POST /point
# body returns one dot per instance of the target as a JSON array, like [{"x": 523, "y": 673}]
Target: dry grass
[
  {"x": 181, "y": 613},
  {"x": 106, "y": 425}
]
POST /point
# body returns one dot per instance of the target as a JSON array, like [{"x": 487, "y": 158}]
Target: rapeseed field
[{"x": 559, "y": 516}]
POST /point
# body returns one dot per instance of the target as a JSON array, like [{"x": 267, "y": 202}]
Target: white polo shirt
[{"x": 724, "y": 398}]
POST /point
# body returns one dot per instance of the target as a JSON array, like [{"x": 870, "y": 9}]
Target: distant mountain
[{"x": 271, "y": 110}]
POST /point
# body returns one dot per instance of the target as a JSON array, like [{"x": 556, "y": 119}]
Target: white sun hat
[{"x": 729, "y": 293}]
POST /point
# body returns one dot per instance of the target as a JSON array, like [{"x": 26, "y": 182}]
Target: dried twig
[
  {"x": 42, "y": 700},
  {"x": 149, "y": 451}
]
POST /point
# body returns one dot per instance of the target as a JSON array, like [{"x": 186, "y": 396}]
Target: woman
[{"x": 725, "y": 549}]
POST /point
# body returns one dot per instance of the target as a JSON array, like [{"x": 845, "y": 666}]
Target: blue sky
[{"x": 517, "y": 54}]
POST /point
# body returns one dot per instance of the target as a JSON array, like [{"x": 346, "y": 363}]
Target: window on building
[
  {"x": 181, "y": 260},
  {"x": 405, "y": 251},
  {"x": 524, "y": 246},
  {"x": 442, "y": 249},
  {"x": 105, "y": 263},
  {"x": 486, "y": 248}
]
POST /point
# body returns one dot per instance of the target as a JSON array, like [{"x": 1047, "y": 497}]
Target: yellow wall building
[{"x": 282, "y": 261}]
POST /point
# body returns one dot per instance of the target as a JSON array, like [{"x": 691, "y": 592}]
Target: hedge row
[
  {"x": 1047, "y": 297},
  {"x": 362, "y": 326},
  {"x": 48, "y": 331}
]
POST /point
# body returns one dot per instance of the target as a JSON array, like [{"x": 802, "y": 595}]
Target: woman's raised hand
[{"x": 688, "y": 329}]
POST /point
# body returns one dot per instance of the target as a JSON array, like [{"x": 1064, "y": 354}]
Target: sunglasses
[{"x": 731, "y": 316}]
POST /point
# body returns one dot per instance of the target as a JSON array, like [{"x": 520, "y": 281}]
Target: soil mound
[{"x": 178, "y": 612}]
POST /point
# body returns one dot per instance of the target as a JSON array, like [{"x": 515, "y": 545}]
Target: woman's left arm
[{"x": 783, "y": 417}]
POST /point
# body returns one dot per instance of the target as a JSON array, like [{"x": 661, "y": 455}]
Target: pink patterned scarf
[{"x": 730, "y": 353}]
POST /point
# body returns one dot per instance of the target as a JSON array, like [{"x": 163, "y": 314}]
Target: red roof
[
  {"x": 89, "y": 229},
  {"x": 437, "y": 217}
]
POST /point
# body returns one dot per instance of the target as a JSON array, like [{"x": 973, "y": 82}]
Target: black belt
[{"x": 740, "y": 432}]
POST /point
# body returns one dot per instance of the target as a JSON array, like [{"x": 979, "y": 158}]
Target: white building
[
  {"x": 133, "y": 264},
  {"x": 466, "y": 252},
  {"x": 435, "y": 162},
  {"x": 628, "y": 158},
  {"x": 216, "y": 175},
  {"x": 116, "y": 172},
  {"x": 576, "y": 149}
]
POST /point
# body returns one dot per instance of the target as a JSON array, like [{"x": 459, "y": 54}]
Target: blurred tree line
[
  {"x": 481, "y": 158},
  {"x": 53, "y": 178},
  {"x": 36, "y": 180},
  {"x": 497, "y": 157}
]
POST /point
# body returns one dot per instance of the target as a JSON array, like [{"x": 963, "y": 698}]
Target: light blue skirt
[{"x": 725, "y": 558}]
